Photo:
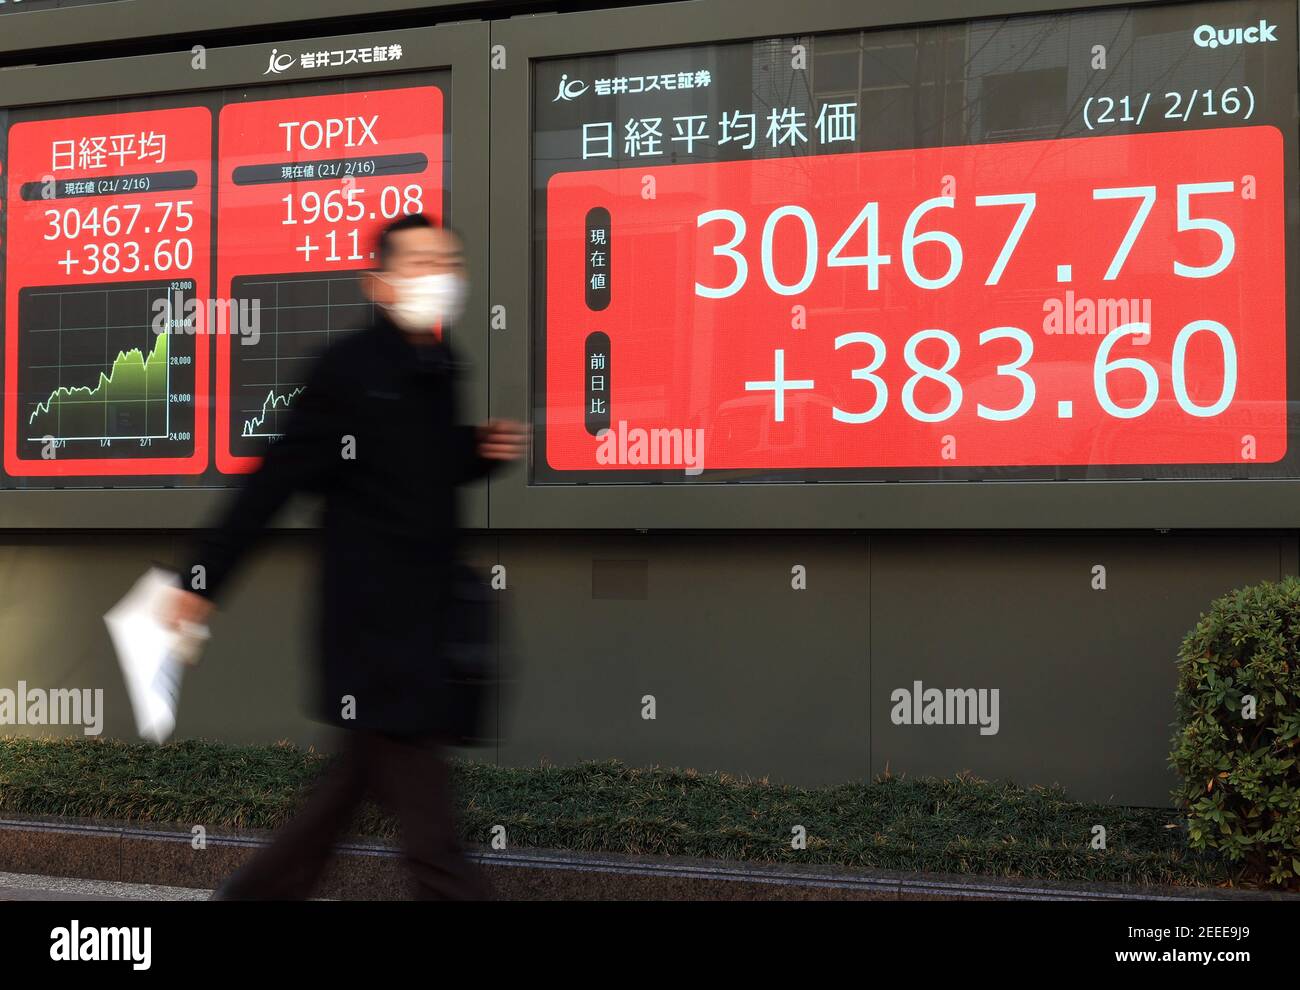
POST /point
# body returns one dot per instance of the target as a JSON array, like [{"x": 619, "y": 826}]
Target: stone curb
[{"x": 373, "y": 870}]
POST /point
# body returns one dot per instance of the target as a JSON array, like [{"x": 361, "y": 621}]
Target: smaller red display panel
[
  {"x": 109, "y": 233},
  {"x": 1103, "y": 300},
  {"x": 305, "y": 186}
]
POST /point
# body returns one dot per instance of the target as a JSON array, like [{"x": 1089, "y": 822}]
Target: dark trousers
[{"x": 408, "y": 778}]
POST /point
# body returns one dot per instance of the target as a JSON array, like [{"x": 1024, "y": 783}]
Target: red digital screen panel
[
  {"x": 305, "y": 185},
  {"x": 107, "y": 260},
  {"x": 1101, "y": 300}
]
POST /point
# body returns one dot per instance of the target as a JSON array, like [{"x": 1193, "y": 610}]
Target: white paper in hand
[{"x": 149, "y": 653}]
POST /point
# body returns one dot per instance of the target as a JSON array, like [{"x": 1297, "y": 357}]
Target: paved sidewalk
[{"x": 31, "y": 887}]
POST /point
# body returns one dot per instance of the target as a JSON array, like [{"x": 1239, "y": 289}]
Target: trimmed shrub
[{"x": 1237, "y": 739}]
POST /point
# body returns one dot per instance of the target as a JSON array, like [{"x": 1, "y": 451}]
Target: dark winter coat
[{"x": 375, "y": 432}]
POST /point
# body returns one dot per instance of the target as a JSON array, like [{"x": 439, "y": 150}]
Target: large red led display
[
  {"x": 1101, "y": 300},
  {"x": 109, "y": 227},
  {"x": 305, "y": 185}
]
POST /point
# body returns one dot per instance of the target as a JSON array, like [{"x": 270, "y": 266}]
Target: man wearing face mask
[{"x": 375, "y": 433}]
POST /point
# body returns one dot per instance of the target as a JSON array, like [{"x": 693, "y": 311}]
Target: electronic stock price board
[
  {"x": 1049, "y": 247},
  {"x": 173, "y": 264}
]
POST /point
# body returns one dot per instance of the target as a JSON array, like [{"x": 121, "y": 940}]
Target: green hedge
[
  {"x": 949, "y": 825},
  {"x": 1237, "y": 739}
]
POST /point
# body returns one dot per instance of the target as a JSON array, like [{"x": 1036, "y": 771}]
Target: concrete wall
[{"x": 748, "y": 675}]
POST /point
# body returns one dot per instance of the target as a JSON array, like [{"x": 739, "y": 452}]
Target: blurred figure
[{"x": 375, "y": 432}]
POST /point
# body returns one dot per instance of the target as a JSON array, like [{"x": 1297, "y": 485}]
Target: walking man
[{"x": 374, "y": 432}]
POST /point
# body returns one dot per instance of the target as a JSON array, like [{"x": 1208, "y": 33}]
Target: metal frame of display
[{"x": 517, "y": 504}]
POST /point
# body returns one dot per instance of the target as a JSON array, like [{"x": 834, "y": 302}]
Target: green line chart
[
  {"x": 106, "y": 371},
  {"x": 77, "y": 412}
]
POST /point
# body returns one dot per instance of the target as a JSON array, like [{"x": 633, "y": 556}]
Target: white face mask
[{"x": 425, "y": 300}]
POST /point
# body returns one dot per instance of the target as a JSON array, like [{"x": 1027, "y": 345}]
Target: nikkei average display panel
[{"x": 1035, "y": 248}]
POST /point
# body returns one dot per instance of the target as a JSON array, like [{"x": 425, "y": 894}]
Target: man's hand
[
  {"x": 181, "y": 606},
  {"x": 502, "y": 440}
]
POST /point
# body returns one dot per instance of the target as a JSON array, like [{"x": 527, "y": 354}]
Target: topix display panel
[
  {"x": 173, "y": 264},
  {"x": 1037, "y": 248},
  {"x": 296, "y": 232}
]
